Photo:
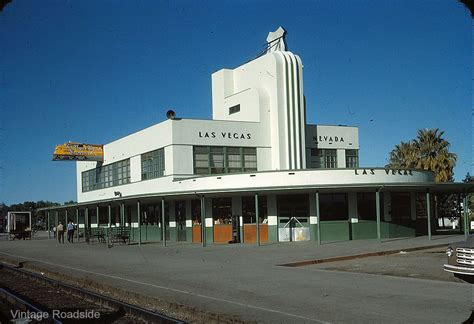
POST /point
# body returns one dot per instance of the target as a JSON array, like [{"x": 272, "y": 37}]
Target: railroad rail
[{"x": 46, "y": 300}]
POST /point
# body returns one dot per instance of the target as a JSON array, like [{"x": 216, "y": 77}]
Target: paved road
[
  {"x": 246, "y": 281},
  {"x": 423, "y": 264}
]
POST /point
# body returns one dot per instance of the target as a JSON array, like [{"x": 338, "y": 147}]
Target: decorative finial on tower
[{"x": 276, "y": 40}]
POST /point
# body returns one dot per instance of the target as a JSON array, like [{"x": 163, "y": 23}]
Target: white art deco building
[{"x": 255, "y": 172}]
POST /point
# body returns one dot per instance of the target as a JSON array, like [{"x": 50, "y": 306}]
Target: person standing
[
  {"x": 60, "y": 230},
  {"x": 70, "y": 231},
  {"x": 54, "y": 231}
]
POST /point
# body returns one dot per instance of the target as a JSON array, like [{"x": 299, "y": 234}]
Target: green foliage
[
  {"x": 30, "y": 206},
  {"x": 428, "y": 151},
  {"x": 470, "y": 196},
  {"x": 468, "y": 178}
]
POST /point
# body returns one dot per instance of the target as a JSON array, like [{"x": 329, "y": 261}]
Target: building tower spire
[{"x": 276, "y": 40}]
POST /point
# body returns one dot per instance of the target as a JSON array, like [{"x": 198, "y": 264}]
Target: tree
[
  {"x": 403, "y": 155},
  {"x": 468, "y": 178},
  {"x": 428, "y": 151},
  {"x": 31, "y": 206},
  {"x": 470, "y": 197}
]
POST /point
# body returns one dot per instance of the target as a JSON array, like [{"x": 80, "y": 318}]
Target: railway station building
[{"x": 256, "y": 173}]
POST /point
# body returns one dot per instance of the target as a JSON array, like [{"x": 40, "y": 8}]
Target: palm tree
[
  {"x": 403, "y": 155},
  {"x": 434, "y": 155},
  {"x": 429, "y": 151}
]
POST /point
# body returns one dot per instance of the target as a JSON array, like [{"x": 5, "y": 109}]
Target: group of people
[{"x": 58, "y": 231}]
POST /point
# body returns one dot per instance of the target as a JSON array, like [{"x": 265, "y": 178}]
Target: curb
[{"x": 358, "y": 256}]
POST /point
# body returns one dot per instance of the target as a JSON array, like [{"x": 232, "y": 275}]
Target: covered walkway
[{"x": 322, "y": 214}]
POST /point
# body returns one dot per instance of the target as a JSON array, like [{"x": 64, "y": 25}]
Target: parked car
[{"x": 461, "y": 259}]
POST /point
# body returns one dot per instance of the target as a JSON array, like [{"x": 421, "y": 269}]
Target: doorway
[
  {"x": 180, "y": 212},
  {"x": 293, "y": 218}
]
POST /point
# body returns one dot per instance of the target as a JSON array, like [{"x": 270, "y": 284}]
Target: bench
[
  {"x": 99, "y": 233},
  {"x": 121, "y": 234},
  {"x": 95, "y": 232}
]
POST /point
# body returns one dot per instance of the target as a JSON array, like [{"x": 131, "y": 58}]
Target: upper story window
[
  {"x": 323, "y": 158},
  {"x": 153, "y": 164},
  {"x": 105, "y": 176},
  {"x": 352, "y": 159},
  {"x": 220, "y": 159},
  {"x": 234, "y": 109}
]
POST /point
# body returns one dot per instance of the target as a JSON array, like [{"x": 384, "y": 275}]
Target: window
[
  {"x": 110, "y": 175},
  {"x": 103, "y": 215},
  {"x": 366, "y": 207},
  {"x": 153, "y": 164},
  {"x": 222, "y": 210},
  {"x": 234, "y": 109},
  {"x": 220, "y": 159},
  {"x": 401, "y": 207},
  {"x": 248, "y": 209},
  {"x": 217, "y": 159},
  {"x": 333, "y": 207},
  {"x": 323, "y": 158},
  {"x": 151, "y": 214},
  {"x": 352, "y": 159},
  {"x": 196, "y": 211},
  {"x": 201, "y": 160},
  {"x": 250, "y": 159},
  {"x": 234, "y": 160},
  {"x": 421, "y": 210}
]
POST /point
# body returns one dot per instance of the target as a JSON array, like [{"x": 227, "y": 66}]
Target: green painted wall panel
[
  {"x": 313, "y": 230},
  {"x": 364, "y": 230},
  {"x": 173, "y": 234},
  {"x": 334, "y": 231},
  {"x": 395, "y": 230},
  {"x": 209, "y": 234},
  {"x": 151, "y": 233},
  {"x": 189, "y": 234},
  {"x": 368, "y": 230},
  {"x": 390, "y": 230},
  {"x": 272, "y": 233}
]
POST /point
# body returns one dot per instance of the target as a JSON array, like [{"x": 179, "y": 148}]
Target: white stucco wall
[
  {"x": 177, "y": 137},
  {"x": 332, "y": 137},
  {"x": 135, "y": 168},
  {"x": 182, "y": 157},
  {"x": 276, "y": 180},
  {"x": 341, "y": 158},
  {"x": 269, "y": 90}
]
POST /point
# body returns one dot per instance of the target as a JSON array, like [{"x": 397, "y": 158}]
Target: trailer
[{"x": 19, "y": 225}]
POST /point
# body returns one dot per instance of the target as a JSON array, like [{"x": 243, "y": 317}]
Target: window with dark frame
[
  {"x": 105, "y": 176},
  {"x": 352, "y": 159},
  {"x": 323, "y": 158},
  {"x": 153, "y": 164},
  {"x": 222, "y": 159}
]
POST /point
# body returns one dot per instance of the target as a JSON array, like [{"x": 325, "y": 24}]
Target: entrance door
[
  {"x": 181, "y": 220},
  {"x": 293, "y": 212}
]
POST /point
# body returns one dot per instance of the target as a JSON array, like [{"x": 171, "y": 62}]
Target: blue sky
[{"x": 95, "y": 71}]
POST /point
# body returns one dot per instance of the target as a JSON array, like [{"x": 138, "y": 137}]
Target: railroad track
[{"x": 32, "y": 296}]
